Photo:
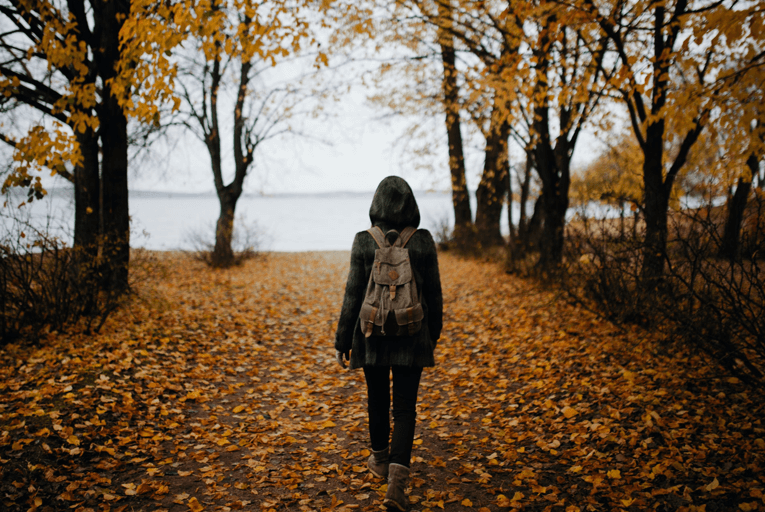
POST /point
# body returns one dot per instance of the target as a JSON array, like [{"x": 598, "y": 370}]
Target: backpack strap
[
  {"x": 379, "y": 236},
  {"x": 406, "y": 234}
]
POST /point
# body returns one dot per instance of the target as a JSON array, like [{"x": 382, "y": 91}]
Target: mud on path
[{"x": 219, "y": 391}]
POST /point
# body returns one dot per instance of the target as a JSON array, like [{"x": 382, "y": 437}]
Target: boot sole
[
  {"x": 375, "y": 473},
  {"x": 393, "y": 505}
]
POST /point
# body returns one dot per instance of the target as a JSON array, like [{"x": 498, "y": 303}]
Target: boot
[
  {"x": 398, "y": 478},
  {"x": 378, "y": 463}
]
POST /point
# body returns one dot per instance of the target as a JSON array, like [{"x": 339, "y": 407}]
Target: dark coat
[{"x": 393, "y": 207}]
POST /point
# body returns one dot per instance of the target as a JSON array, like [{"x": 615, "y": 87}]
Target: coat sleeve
[
  {"x": 354, "y": 296},
  {"x": 432, "y": 291}
]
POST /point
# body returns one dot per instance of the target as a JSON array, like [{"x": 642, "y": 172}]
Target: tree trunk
[
  {"x": 522, "y": 243},
  {"x": 116, "y": 216},
  {"x": 491, "y": 190},
  {"x": 223, "y": 253},
  {"x": 535, "y": 225},
  {"x": 553, "y": 168},
  {"x": 525, "y": 187},
  {"x": 729, "y": 244},
  {"x": 87, "y": 196},
  {"x": 109, "y": 18},
  {"x": 555, "y": 193},
  {"x": 510, "y": 224},
  {"x": 656, "y": 207},
  {"x": 460, "y": 197}
]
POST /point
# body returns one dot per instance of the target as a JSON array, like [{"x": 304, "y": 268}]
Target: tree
[
  {"x": 236, "y": 43},
  {"x": 742, "y": 126},
  {"x": 463, "y": 217},
  {"x": 613, "y": 179},
  {"x": 677, "y": 59},
  {"x": 546, "y": 65},
  {"x": 76, "y": 64}
]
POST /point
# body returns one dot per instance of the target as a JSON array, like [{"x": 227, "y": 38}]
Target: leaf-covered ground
[{"x": 219, "y": 391}]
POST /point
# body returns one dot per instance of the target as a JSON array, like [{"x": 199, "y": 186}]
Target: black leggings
[{"x": 406, "y": 382}]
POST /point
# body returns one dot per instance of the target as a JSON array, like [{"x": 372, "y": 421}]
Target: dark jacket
[{"x": 393, "y": 207}]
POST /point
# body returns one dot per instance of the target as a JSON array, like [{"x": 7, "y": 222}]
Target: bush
[
  {"x": 718, "y": 305},
  {"x": 46, "y": 285},
  {"x": 247, "y": 241}
]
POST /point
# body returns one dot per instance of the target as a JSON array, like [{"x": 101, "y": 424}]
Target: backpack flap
[
  {"x": 369, "y": 317},
  {"x": 409, "y": 320}
]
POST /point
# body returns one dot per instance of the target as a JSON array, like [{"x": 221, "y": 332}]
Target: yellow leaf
[
  {"x": 194, "y": 505},
  {"x": 73, "y": 440},
  {"x": 518, "y": 496},
  {"x": 627, "y": 502},
  {"x": 614, "y": 473},
  {"x": 238, "y": 409},
  {"x": 466, "y": 503},
  {"x": 569, "y": 412},
  {"x": 575, "y": 469},
  {"x": 184, "y": 473},
  {"x": 712, "y": 485}
]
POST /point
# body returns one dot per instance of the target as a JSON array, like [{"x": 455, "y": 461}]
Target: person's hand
[{"x": 342, "y": 357}]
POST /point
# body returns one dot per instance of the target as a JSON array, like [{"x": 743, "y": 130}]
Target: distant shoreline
[{"x": 149, "y": 194}]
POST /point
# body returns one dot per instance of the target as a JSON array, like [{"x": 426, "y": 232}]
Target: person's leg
[
  {"x": 406, "y": 383},
  {"x": 378, "y": 405}
]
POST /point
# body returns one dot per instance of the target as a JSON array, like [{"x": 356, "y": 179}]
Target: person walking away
[{"x": 390, "y": 323}]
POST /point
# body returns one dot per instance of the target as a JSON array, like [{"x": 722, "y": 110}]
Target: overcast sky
[{"x": 365, "y": 149}]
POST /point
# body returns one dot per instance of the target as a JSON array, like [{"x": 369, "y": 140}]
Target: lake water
[{"x": 300, "y": 222}]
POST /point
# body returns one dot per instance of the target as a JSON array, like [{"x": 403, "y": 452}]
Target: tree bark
[
  {"x": 114, "y": 185},
  {"x": 87, "y": 196},
  {"x": 656, "y": 206},
  {"x": 535, "y": 225},
  {"x": 460, "y": 197},
  {"x": 729, "y": 245},
  {"x": 525, "y": 186},
  {"x": 510, "y": 223},
  {"x": 223, "y": 254},
  {"x": 228, "y": 195},
  {"x": 109, "y": 18},
  {"x": 492, "y": 187},
  {"x": 553, "y": 169}
]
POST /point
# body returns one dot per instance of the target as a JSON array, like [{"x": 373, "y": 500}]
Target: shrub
[
  {"x": 46, "y": 285},
  {"x": 247, "y": 242},
  {"x": 717, "y": 305}
]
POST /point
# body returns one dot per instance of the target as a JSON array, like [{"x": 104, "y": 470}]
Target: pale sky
[{"x": 366, "y": 150}]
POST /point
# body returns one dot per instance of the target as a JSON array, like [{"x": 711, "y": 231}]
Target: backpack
[{"x": 392, "y": 306}]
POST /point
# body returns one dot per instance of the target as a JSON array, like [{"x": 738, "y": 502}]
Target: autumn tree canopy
[{"x": 82, "y": 69}]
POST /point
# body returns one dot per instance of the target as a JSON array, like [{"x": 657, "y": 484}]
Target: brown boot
[
  {"x": 378, "y": 463},
  {"x": 398, "y": 478}
]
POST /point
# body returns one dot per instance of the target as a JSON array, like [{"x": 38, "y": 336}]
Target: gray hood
[{"x": 394, "y": 206}]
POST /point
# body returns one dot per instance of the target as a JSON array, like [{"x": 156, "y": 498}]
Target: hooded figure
[{"x": 393, "y": 208}]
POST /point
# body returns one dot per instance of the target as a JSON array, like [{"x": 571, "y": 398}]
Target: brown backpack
[{"x": 392, "y": 306}]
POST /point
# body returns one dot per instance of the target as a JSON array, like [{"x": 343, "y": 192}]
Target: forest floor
[{"x": 218, "y": 390}]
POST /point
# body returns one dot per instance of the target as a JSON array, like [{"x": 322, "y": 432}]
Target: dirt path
[{"x": 219, "y": 391}]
